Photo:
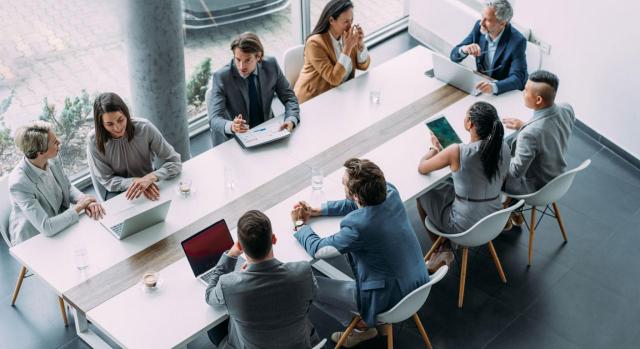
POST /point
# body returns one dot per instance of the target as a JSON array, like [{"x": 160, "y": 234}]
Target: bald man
[{"x": 539, "y": 150}]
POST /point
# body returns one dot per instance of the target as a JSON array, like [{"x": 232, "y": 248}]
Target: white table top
[
  {"x": 327, "y": 120},
  {"x": 52, "y": 258}
]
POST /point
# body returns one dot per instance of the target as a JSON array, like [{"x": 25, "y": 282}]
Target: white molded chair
[
  {"x": 406, "y": 308},
  {"x": 293, "y": 61},
  {"x": 534, "y": 57},
  {"x": 548, "y": 196},
  {"x": 479, "y": 234},
  {"x": 5, "y": 212},
  {"x": 321, "y": 344}
]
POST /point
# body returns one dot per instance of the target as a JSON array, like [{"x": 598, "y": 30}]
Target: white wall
[{"x": 595, "y": 51}]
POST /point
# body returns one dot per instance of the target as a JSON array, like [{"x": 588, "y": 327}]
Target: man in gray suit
[
  {"x": 539, "y": 149},
  {"x": 240, "y": 93},
  {"x": 44, "y": 201},
  {"x": 268, "y": 301}
]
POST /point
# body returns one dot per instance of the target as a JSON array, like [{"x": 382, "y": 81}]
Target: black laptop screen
[{"x": 204, "y": 249}]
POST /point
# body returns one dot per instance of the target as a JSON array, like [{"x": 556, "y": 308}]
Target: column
[{"x": 155, "y": 49}]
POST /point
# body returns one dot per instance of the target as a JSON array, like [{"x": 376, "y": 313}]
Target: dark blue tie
[{"x": 255, "y": 107}]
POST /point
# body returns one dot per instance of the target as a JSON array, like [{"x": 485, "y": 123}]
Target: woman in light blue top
[{"x": 478, "y": 170}]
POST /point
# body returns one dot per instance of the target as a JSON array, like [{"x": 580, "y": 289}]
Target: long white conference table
[{"x": 336, "y": 125}]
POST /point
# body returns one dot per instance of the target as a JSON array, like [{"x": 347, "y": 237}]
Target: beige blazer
[{"x": 321, "y": 71}]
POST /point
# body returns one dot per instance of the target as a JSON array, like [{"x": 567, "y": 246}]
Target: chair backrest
[
  {"x": 534, "y": 57},
  {"x": 486, "y": 229},
  {"x": 555, "y": 189},
  {"x": 321, "y": 344},
  {"x": 412, "y": 302},
  {"x": 101, "y": 191},
  {"x": 5, "y": 208},
  {"x": 293, "y": 61}
]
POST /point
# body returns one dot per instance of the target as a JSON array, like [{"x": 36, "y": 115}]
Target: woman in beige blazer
[{"x": 334, "y": 50}]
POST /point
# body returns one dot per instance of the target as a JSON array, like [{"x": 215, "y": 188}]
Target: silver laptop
[
  {"x": 457, "y": 75},
  {"x": 139, "y": 221}
]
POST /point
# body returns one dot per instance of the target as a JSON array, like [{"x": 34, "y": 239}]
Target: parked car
[{"x": 200, "y": 14}]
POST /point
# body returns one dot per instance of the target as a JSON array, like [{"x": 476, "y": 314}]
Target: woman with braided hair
[{"x": 478, "y": 170}]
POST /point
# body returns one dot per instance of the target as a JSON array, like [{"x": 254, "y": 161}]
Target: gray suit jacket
[
  {"x": 538, "y": 151},
  {"x": 268, "y": 303},
  {"x": 32, "y": 211},
  {"x": 228, "y": 96}
]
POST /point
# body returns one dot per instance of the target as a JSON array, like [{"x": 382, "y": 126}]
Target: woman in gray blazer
[
  {"x": 478, "y": 170},
  {"x": 121, "y": 151},
  {"x": 43, "y": 199}
]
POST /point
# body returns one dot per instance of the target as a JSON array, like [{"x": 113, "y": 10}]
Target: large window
[
  {"x": 372, "y": 15},
  {"x": 55, "y": 56}
]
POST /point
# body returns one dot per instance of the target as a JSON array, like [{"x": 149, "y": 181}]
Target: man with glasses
[{"x": 499, "y": 49}]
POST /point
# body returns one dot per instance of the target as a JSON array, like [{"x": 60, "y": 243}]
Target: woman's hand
[
  {"x": 140, "y": 186},
  {"x": 95, "y": 211}
]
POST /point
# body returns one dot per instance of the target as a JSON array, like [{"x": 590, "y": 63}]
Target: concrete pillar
[{"x": 155, "y": 50}]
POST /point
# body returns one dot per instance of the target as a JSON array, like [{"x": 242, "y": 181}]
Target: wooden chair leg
[
  {"x": 423, "y": 333},
  {"x": 345, "y": 334},
  {"x": 23, "y": 271},
  {"x": 532, "y": 227},
  {"x": 389, "y": 336},
  {"x": 63, "y": 310},
  {"x": 496, "y": 260},
  {"x": 556, "y": 211},
  {"x": 463, "y": 275},
  {"x": 433, "y": 248}
]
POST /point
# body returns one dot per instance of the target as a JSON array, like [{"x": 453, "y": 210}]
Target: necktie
[{"x": 255, "y": 107}]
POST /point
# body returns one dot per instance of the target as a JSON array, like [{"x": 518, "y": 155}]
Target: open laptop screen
[{"x": 204, "y": 249}]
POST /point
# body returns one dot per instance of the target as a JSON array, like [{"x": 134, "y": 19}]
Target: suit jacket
[
  {"x": 321, "y": 71},
  {"x": 509, "y": 61},
  {"x": 538, "y": 151},
  {"x": 381, "y": 247},
  {"x": 228, "y": 96},
  {"x": 268, "y": 303},
  {"x": 32, "y": 210}
]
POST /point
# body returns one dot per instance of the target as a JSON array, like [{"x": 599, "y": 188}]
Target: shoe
[
  {"x": 508, "y": 226},
  {"x": 517, "y": 218},
  {"x": 439, "y": 259},
  {"x": 355, "y": 337}
]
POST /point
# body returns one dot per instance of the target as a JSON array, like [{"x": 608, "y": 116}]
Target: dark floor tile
[
  {"x": 586, "y": 313},
  {"x": 602, "y": 196},
  {"x": 615, "y": 266},
  {"x": 524, "y": 284},
  {"x": 609, "y": 162},
  {"x": 527, "y": 333},
  {"x": 480, "y": 320},
  {"x": 75, "y": 343},
  {"x": 581, "y": 147},
  {"x": 585, "y": 233}
]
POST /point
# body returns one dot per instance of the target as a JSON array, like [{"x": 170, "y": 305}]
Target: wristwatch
[{"x": 297, "y": 224}]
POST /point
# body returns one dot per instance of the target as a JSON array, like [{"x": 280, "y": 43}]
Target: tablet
[{"x": 443, "y": 131}]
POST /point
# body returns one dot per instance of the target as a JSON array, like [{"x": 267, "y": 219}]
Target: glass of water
[
  {"x": 229, "y": 180},
  {"x": 317, "y": 179},
  {"x": 80, "y": 256},
  {"x": 375, "y": 97},
  {"x": 184, "y": 187}
]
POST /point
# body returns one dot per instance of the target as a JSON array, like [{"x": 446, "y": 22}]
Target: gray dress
[
  {"x": 453, "y": 214},
  {"x": 124, "y": 159}
]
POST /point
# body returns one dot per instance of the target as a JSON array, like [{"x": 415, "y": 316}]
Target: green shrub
[
  {"x": 68, "y": 121},
  {"x": 6, "y": 140},
  {"x": 197, "y": 85}
]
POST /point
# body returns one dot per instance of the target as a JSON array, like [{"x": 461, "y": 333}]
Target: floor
[{"x": 582, "y": 294}]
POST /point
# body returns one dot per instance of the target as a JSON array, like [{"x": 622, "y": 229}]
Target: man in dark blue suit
[{"x": 498, "y": 47}]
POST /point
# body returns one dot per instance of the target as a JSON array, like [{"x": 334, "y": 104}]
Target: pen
[{"x": 262, "y": 129}]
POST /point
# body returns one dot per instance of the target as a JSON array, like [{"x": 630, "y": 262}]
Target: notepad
[{"x": 261, "y": 135}]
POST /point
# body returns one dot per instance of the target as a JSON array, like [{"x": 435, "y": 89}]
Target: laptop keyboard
[
  {"x": 207, "y": 276},
  {"x": 118, "y": 228}
]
